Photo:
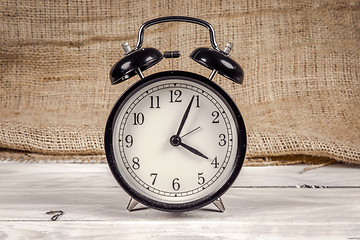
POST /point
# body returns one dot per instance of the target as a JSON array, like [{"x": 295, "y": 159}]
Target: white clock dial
[{"x": 175, "y": 141}]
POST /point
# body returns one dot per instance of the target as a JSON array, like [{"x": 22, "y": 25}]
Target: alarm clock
[{"x": 175, "y": 140}]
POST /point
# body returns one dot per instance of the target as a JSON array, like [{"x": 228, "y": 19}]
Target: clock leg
[
  {"x": 132, "y": 204},
  {"x": 219, "y": 204}
]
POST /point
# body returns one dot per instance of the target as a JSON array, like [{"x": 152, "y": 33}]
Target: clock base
[
  {"x": 132, "y": 204},
  {"x": 218, "y": 204}
]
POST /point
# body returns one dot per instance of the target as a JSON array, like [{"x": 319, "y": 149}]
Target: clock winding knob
[
  {"x": 126, "y": 47},
  {"x": 228, "y": 48}
]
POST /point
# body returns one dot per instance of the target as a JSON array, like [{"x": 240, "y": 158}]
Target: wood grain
[{"x": 264, "y": 203}]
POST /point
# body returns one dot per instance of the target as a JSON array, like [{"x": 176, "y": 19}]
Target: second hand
[{"x": 190, "y": 132}]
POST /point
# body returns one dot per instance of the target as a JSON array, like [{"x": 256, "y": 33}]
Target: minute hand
[
  {"x": 193, "y": 150},
  {"x": 186, "y": 114}
]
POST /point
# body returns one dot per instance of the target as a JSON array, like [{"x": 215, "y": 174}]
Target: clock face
[{"x": 176, "y": 143}]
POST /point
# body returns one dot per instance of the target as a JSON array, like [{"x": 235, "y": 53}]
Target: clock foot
[
  {"x": 219, "y": 204},
  {"x": 132, "y": 204}
]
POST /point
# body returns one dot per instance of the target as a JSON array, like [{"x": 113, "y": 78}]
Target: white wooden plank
[
  {"x": 95, "y": 207},
  {"x": 332, "y": 175},
  {"x": 258, "y": 213},
  {"x": 175, "y": 230},
  {"x": 99, "y": 175},
  {"x": 280, "y": 205},
  {"x": 55, "y": 175}
]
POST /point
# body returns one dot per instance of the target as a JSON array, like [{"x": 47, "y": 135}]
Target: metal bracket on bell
[
  {"x": 219, "y": 62},
  {"x": 134, "y": 63},
  {"x": 127, "y": 49},
  {"x": 227, "y": 50}
]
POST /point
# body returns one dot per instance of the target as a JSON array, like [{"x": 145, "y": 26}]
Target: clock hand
[
  {"x": 176, "y": 141},
  {"x": 186, "y": 114},
  {"x": 190, "y": 132},
  {"x": 193, "y": 150}
]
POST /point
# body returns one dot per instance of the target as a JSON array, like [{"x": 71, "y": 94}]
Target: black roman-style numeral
[
  {"x": 154, "y": 175},
  {"x": 154, "y": 102},
  {"x": 215, "y": 163},
  {"x": 175, "y": 96},
  {"x": 222, "y": 141},
  {"x": 136, "y": 163},
  {"x": 176, "y": 184},
  {"x": 138, "y": 118},
  {"x": 216, "y": 115},
  {"x": 197, "y": 99},
  {"x": 129, "y": 140},
  {"x": 201, "y": 179}
]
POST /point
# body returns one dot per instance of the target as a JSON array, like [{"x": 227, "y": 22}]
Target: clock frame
[
  {"x": 170, "y": 206},
  {"x": 134, "y": 63}
]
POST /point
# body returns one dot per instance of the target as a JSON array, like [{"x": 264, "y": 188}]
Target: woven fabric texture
[{"x": 301, "y": 92}]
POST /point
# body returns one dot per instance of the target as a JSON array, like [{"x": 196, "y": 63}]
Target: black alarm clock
[{"x": 175, "y": 140}]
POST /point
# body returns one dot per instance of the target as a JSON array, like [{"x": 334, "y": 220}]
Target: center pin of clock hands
[{"x": 176, "y": 139}]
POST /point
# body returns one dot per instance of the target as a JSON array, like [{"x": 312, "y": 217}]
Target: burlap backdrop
[{"x": 300, "y": 96}]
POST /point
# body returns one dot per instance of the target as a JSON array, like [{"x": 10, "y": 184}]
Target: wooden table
[{"x": 264, "y": 203}]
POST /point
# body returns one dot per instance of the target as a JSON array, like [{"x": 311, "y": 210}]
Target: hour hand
[
  {"x": 176, "y": 141},
  {"x": 193, "y": 150}
]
